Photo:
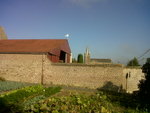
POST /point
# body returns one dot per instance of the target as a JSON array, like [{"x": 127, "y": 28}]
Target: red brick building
[{"x": 57, "y": 50}]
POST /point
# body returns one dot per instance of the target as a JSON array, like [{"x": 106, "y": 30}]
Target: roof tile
[{"x": 33, "y": 45}]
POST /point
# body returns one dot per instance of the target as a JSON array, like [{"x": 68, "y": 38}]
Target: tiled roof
[{"x": 34, "y": 46}]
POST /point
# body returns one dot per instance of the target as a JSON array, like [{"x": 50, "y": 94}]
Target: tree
[
  {"x": 133, "y": 62},
  {"x": 80, "y": 58},
  {"x": 144, "y": 87},
  {"x": 74, "y": 60},
  {"x": 148, "y": 60}
]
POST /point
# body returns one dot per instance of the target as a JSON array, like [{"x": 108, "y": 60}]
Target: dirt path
[{"x": 69, "y": 90}]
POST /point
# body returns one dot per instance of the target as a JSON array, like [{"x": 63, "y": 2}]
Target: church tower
[
  {"x": 2, "y": 33},
  {"x": 87, "y": 56}
]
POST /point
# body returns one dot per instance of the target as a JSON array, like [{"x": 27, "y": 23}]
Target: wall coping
[
  {"x": 133, "y": 67},
  {"x": 87, "y": 65}
]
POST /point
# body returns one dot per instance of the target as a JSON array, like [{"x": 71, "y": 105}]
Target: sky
[{"x": 115, "y": 29}]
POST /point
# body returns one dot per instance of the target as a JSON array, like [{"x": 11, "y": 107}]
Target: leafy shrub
[
  {"x": 144, "y": 92},
  {"x": 80, "y": 58}
]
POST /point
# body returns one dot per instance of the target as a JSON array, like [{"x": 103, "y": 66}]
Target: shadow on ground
[
  {"x": 109, "y": 86},
  {"x": 117, "y": 95}
]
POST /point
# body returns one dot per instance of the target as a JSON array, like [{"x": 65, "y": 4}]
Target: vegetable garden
[
  {"x": 34, "y": 98},
  {"x": 22, "y": 95}
]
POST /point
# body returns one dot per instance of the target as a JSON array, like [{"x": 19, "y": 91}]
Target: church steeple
[
  {"x": 87, "y": 56},
  {"x": 87, "y": 51}
]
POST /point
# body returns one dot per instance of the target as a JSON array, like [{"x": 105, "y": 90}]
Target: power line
[
  {"x": 144, "y": 54},
  {"x": 142, "y": 59}
]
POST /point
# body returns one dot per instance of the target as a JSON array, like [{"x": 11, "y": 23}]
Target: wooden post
[
  {"x": 42, "y": 75},
  {"x": 66, "y": 58}
]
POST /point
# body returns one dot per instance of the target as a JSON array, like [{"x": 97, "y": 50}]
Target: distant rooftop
[
  {"x": 2, "y": 33},
  {"x": 101, "y": 60}
]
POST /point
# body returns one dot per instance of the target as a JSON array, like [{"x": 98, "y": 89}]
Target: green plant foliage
[
  {"x": 74, "y": 60},
  {"x": 51, "y": 90},
  {"x": 16, "y": 96},
  {"x": 144, "y": 86},
  {"x": 30, "y": 101},
  {"x": 122, "y": 99},
  {"x": 20, "y": 99},
  {"x": 102, "y": 102},
  {"x": 80, "y": 58},
  {"x": 74, "y": 103},
  {"x": 148, "y": 60},
  {"x": 11, "y": 85},
  {"x": 133, "y": 62}
]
